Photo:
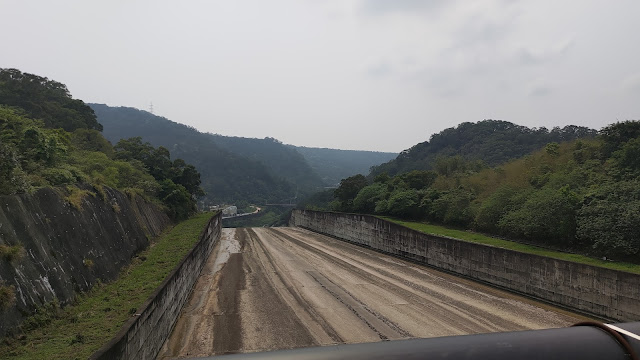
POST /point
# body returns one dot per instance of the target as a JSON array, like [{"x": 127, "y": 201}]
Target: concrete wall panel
[
  {"x": 602, "y": 292},
  {"x": 143, "y": 336}
]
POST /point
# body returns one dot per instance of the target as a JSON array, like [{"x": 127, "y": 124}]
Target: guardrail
[{"x": 593, "y": 341}]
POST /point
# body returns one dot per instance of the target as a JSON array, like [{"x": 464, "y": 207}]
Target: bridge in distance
[{"x": 280, "y": 288}]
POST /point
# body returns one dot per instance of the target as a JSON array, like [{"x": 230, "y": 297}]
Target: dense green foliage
[
  {"x": 512, "y": 245},
  {"x": 227, "y": 177},
  {"x": 582, "y": 195},
  {"x": 34, "y": 156},
  {"x": 333, "y": 165},
  {"x": 31, "y": 155},
  {"x": 179, "y": 181},
  {"x": 46, "y": 100},
  {"x": 77, "y": 331},
  {"x": 490, "y": 141},
  {"x": 40, "y": 153},
  {"x": 348, "y": 190}
]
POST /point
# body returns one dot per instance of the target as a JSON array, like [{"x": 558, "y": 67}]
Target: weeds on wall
[
  {"x": 7, "y": 296},
  {"x": 12, "y": 253},
  {"x": 76, "y": 196}
]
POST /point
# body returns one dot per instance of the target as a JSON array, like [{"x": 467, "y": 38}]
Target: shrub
[
  {"x": 76, "y": 196},
  {"x": 58, "y": 176},
  {"x": 12, "y": 253},
  {"x": 7, "y": 296}
]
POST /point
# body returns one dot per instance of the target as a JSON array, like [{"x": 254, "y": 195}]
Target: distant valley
[{"x": 236, "y": 169}]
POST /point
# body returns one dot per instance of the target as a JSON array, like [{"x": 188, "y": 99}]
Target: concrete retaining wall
[
  {"x": 143, "y": 336},
  {"x": 67, "y": 248},
  {"x": 606, "y": 293}
]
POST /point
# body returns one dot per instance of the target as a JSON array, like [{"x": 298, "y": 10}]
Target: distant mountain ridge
[
  {"x": 334, "y": 165},
  {"x": 226, "y": 176},
  {"x": 236, "y": 169},
  {"x": 490, "y": 141},
  {"x": 282, "y": 160}
]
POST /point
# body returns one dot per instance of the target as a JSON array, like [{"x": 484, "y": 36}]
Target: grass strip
[
  {"x": 512, "y": 245},
  {"x": 78, "y": 330}
]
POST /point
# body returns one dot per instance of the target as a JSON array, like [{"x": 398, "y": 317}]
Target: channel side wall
[
  {"x": 142, "y": 337},
  {"x": 602, "y": 292},
  {"x": 66, "y": 248}
]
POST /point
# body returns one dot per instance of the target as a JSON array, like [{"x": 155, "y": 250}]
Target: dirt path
[{"x": 279, "y": 288}]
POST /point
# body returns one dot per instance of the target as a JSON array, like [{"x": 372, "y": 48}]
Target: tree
[
  {"x": 609, "y": 220},
  {"x": 548, "y": 216},
  {"x": 382, "y": 178},
  {"x": 453, "y": 207},
  {"x": 368, "y": 196},
  {"x": 627, "y": 158},
  {"x": 189, "y": 177},
  {"x": 91, "y": 140},
  {"x": 158, "y": 163},
  {"x": 419, "y": 179},
  {"x": 177, "y": 199},
  {"x": 615, "y": 135},
  {"x": 496, "y": 206},
  {"x": 552, "y": 148},
  {"x": 449, "y": 165},
  {"x": 348, "y": 190},
  {"x": 133, "y": 148},
  {"x": 403, "y": 203}
]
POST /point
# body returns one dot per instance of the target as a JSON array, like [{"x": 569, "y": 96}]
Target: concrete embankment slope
[
  {"x": 143, "y": 335},
  {"x": 606, "y": 293},
  {"x": 67, "y": 249}
]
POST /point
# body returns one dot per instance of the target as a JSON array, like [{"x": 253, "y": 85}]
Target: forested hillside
[
  {"x": 334, "y": 165},
  {"x": 226, "y": 176},
  {"x": 282, "y": 160},
  {"x": 491, "y": 142},
  {"x": 66, "y": 149},
  {"x": 46, "y": 100},
  {"x": 582, "y": 195}
]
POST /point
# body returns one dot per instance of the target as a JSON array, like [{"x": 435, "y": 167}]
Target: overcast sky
[{"x": 362, "y": 74}]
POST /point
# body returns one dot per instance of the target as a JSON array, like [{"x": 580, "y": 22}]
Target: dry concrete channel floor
[{"x": 280, "y": 288}]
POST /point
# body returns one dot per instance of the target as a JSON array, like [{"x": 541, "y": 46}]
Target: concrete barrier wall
[
  {"x": 606, "y": 293},
  {"x": 67, "y": 249},
  {"x": 143, "y": 336}
]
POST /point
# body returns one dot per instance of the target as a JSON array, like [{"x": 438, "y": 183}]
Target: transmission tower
[{"x": 151, "y": 107}]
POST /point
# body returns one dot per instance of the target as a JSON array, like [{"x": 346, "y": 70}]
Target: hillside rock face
[{"x": 66, "y": 249}]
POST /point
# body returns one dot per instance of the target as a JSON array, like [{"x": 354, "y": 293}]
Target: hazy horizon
[{"x": 370, "y": 75}]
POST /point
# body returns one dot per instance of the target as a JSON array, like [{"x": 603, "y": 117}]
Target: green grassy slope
[
  {"x": 511, "y": 245},
  {"x": 76, "y": 331}
]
